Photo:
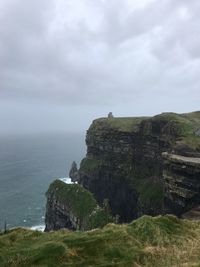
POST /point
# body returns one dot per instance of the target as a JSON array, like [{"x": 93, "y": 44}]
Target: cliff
[
  {"x": 73, "y": 207},
  {"x": 124, "y": 161}
]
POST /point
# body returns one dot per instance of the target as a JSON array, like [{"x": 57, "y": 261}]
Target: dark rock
[
  {"x": 73, "y": 173},
  {"x": 181, "y": 183},
  {"x": 198, "y": 132},
  {"x": 59, "y": 216}
]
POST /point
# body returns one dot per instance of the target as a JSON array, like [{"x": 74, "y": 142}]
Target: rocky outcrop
[
  {"x": 73, "y": 207},
  {"x": 181, "y": 183},
  {"x": 73, "y": 173},
  {"x": 124, "y": 162}
]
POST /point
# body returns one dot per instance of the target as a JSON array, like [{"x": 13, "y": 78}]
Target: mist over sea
[{"x": 28, "y": 164}]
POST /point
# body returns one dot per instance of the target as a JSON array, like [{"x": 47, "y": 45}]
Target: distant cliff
[{"x": 124, "y": 161}]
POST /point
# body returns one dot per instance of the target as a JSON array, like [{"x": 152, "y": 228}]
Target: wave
[
  {"x": 67, "y": 180},
  {"x": 40, "y": 228}
]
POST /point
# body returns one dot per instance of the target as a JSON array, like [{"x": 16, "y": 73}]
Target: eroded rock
[{"x": 73, "y": 173}]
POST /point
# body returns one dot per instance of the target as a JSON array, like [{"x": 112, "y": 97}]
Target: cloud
[{"x": 97, "y": 52}]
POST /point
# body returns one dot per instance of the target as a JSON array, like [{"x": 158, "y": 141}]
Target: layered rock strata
[
  {"x": 124, "y": 162},
  {"x": 181, "y": 183}
]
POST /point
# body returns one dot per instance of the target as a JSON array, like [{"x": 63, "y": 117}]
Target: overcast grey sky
[{"x": 65, "y": 62}]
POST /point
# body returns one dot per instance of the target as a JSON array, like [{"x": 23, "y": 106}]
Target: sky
[{"x": 64, "y": 63}]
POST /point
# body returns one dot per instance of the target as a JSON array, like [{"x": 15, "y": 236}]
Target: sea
[{"x": 28, "y": 164}]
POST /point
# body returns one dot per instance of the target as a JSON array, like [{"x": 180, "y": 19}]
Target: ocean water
[{"x": 28, "y": 164}]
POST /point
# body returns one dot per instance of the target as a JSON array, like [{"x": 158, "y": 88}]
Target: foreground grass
[{"x": 159, "y": 241}]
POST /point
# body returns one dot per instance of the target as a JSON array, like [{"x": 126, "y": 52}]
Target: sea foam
[
  {"x": 67, "y": 180},
  {"x": 38, "y": 228}
]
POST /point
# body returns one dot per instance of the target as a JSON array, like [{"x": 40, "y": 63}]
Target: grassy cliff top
[
  {"x": 190, "y": 120},
  {"x": 80, "y": 201},
  {"x": 159, "y": 241},
  {"x": 125, "y": 124},
  {"x": 187, "y": 125}
]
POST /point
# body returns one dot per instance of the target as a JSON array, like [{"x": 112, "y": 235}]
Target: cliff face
[
  {"x": 181, "y": 183},
  {"x": 124, "y": 162},
  {"x": 71, "y": 206},
  {"x": 59, "y": 216}
]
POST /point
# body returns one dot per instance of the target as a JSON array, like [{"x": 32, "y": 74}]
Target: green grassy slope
[{"x": 160, "y": 241}]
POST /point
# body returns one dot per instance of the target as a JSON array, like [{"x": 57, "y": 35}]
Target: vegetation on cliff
[
  {"x": 159, "y": 241},
  {"x": 150, "y": 189},
  {"x": 187, "y": 125},
  {"x": 80, "y": 203}
]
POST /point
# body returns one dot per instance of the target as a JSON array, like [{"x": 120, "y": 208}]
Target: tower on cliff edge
[{"x": 110, "y": 115}]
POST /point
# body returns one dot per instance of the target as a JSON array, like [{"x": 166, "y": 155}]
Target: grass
[
  {"x": 188, "y": 124},
  {"x": 160, "y": 241},
  {"x": 125, "y": 124}
]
